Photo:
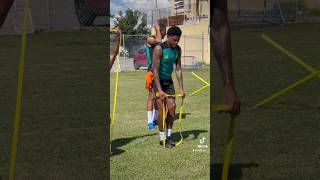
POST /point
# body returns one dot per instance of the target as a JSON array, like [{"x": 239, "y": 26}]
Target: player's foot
[
  {"x": 170, "y": 141},
  {"x": 155, "y": 122},
  {"x": 151, "y": 126},
  {"x": 168, "y": 145}
]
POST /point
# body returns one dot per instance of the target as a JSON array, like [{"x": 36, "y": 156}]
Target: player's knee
[{"x": 172, "y": 105}]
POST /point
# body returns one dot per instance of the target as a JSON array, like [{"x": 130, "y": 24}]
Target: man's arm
[
  {"x": 179, "y": 75},
  {"x": 5, "y": 6},
  {"x": 157, "y": 53},
  {"x": 222, "y": 51},
  {"x": 115, "y": 48},
  {"x": 158, "y": 32}
]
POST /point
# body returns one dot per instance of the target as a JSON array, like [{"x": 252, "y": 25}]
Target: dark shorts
[{"x": 166, "y": 86}]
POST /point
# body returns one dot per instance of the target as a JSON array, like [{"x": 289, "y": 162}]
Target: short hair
[{"x": 174, "y": 31}]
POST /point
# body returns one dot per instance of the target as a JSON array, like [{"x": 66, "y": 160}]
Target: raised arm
[
  {"x": 158, "y": 32},
  {"x": 115, "y": 48}
]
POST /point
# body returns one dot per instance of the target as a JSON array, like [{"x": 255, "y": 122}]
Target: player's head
[
  {"x": 173, "y": 36},
  {"x": 163, "y": 30}
]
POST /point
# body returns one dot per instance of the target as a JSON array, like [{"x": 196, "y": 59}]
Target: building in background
[{"x": 192, "y": 16}]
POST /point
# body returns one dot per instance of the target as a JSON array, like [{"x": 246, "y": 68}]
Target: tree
[{"x": 133, "y": 22}]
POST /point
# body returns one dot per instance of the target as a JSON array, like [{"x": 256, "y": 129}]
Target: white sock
[
  {"x": 150, "y": 120},
  {"x": 161, "y": 136},
  {"x": 168, "y": 132},
  {"x": 155, "y": 115}
]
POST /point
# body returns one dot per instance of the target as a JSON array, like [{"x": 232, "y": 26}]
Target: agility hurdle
[{"x": 312, "y": 76}]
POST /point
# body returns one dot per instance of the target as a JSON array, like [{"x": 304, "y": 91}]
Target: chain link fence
[
  {"x": 269, "y": 11},
  {"x": 133, "y": 55},
  {"x": 182, "y": 13},
  {"x": 48, "y": 15}
]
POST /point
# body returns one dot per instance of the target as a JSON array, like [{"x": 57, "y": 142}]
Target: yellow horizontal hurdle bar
[
  {"x": 287, "y": 89},
  {"x": 228, "y": 150},
  {"x": 201, "y": 79},
  {"x": 168, "y": 95},
  {"x": 314, "y": 74},
  {"x": 203, "y": 87},
  {"x": 289, "y": 54}
]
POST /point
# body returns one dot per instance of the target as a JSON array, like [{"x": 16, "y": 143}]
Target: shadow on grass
[
  {"x": 235, "y": 170},
  {"x": 117, "y": 143},
  {"x": 186, "y": 134}
]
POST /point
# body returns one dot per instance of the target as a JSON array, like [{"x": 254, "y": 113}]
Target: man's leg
[
  {"x": 159, "y": 103},
  {"x": 155, "y": 112},
  {"x": 171, "y": 104},
  {"x": 150, "y": 111},
  {"x": 150, "y": 101}
]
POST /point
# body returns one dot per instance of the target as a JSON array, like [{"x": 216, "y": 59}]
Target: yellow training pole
[
  {"x": 228, "y": 150},
  {"x": 12, "y": 168},
  {"x": 113, "y": 120},
  {"x": 180, "y": 122},
  {"x": 164, "y": 114}
]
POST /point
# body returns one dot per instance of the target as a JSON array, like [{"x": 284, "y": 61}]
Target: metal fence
[
  {"x": 56, "y": 15},
  {"x": 182, "y": 13},
  {"x": 268, "y": 11},
  {"x": 132, "y": 46}
]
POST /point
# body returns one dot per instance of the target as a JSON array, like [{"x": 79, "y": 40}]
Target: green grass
[
  {"x": 63, "y": 120},
  {"x": 281, "y": 140},
  {"x": 63, "y": 130},
  {"x": 137, "y": 151}
]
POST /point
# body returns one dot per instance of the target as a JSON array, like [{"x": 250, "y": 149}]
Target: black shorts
[{"x": 166, "y": 86}]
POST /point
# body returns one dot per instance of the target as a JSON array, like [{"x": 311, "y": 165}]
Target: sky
[{"x": 141, "y": 5}]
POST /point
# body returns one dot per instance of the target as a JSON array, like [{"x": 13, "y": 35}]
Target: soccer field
[
  {"x": 282, "y": 139},
  {"x": 63, "y": 120},
  {"x": 137, "y": 153}
]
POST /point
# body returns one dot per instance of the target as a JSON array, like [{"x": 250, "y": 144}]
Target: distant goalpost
[
  {"x": 264, "y": 11},
  {"x": 272, "y": 12}
]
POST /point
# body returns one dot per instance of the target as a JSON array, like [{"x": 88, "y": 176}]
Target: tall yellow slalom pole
[
  {"x": 113, "y": 120},
  {"x": 228, "y": 150},
  {"x": 15, "y": 139}
]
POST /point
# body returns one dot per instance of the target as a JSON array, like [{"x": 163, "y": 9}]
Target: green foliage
[{"x": 133, "y": 22}]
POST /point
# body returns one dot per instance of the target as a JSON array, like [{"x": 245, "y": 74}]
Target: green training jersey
[{"x": 169, "y": 57}]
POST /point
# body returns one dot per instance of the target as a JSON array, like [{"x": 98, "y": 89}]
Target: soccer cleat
[
  {"x": 168, "y": 145},
  {"x": 170, "y": 141},
  {"x": 151, "y": 126}
]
